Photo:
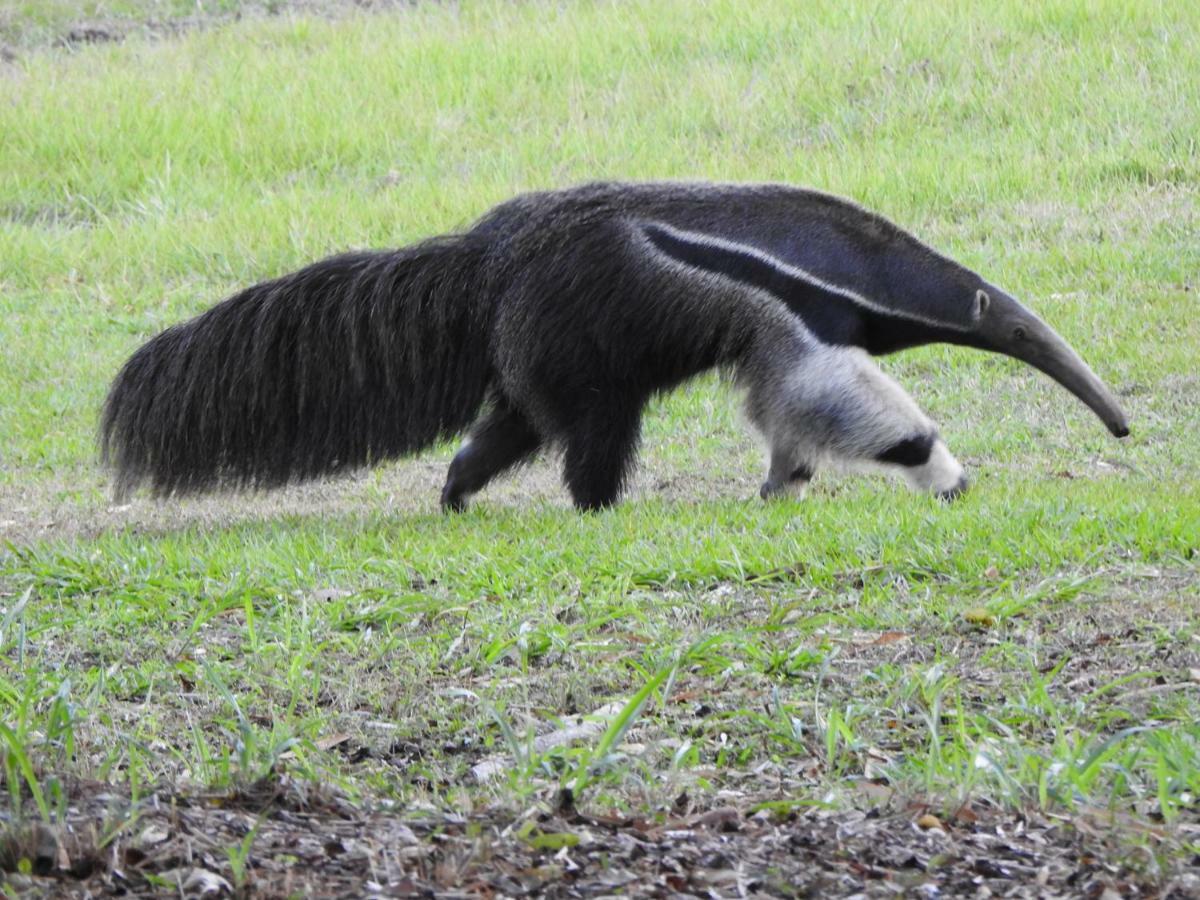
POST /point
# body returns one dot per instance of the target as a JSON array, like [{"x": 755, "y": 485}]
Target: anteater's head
[
  {"x": 1002, "y": 324},
  {"x": 905, "y": 294}
]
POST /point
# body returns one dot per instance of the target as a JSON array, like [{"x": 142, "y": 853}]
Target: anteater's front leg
[
  {"x": 836, "y": 405},
  {"x": 786, "y": 475},
  {"x": 600, "y": 451}
]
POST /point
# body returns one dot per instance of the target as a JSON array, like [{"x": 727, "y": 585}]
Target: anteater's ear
[{"x": 980, "y": 305}]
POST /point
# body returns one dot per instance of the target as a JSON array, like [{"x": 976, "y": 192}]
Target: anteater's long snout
[{"x": 1007, "y": 327}]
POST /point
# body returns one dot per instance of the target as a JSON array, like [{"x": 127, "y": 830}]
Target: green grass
[{"x": 1033, "y": 645}]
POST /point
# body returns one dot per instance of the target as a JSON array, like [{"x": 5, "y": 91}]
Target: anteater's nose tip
[{"x": 1119, "y": 429}]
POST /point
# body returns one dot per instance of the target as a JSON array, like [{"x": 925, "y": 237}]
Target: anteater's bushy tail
[{"x": 347, "y": 362}]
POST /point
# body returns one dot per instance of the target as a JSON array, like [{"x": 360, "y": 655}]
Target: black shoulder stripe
[
  {"x": 829, "y": 316},
  {"x": 720, "y": 260},
  {"x": 835, "y": 314}
]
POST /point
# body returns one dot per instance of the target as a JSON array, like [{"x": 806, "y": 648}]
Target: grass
[{"x": 1035, "y": 646}]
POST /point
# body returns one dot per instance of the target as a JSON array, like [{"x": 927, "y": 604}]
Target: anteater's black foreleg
[
  {"x": 599, "y": 455},
  {"x": 500, "y": 440}
]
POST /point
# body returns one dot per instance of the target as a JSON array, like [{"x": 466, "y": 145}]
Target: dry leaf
[
  {"x": 333, "y": 740},
  {"x": 587, "y": 729},
  {"x": 326, "y": 594},
  {"x": 966, "y": 814},
  {"x": 555, "y": 840},
  {"x": 980, "y": 616},
  {"x": 198, "y": 882},
  {"x": 151, "y": 835},
  {"x": 929, "y": 820},
  {"x": 721, "y": 819}
]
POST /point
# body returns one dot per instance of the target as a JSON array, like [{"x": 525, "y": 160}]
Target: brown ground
[
  {"x": 309, "y": 843},
  {"x": 156, "y": 20},
  {"x": 78, "y": 505}
]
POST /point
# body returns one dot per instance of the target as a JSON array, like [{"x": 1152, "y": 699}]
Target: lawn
[{"x": 335, "y": 686}]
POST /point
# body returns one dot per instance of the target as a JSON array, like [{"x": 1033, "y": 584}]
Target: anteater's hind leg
[
  {"x": 599, "y": 453},
  {"x": 500, "y": 440}
]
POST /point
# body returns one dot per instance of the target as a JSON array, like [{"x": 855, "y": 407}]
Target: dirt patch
[
  {"x": 287, "y": 839},
  {"x": 78, "y": 507},
  {"x": 60, "y": 28}
]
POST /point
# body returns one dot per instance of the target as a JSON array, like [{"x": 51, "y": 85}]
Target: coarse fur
[
  {"x": 295, "y": 378},
  {"x": 834, "y": 407},
  {"x": 562, "y": 313}
]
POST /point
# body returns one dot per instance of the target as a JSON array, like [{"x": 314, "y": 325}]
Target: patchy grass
[{"x": 341, "y": 666}]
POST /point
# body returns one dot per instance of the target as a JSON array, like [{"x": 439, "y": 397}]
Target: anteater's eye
[{"x": 1019, "y": 333}]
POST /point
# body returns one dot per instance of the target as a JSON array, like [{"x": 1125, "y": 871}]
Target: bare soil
[
  {"x": 308, "y": 842},
  {"x": 78, "y": 506},
  {"x": 102, "y": 29}
]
